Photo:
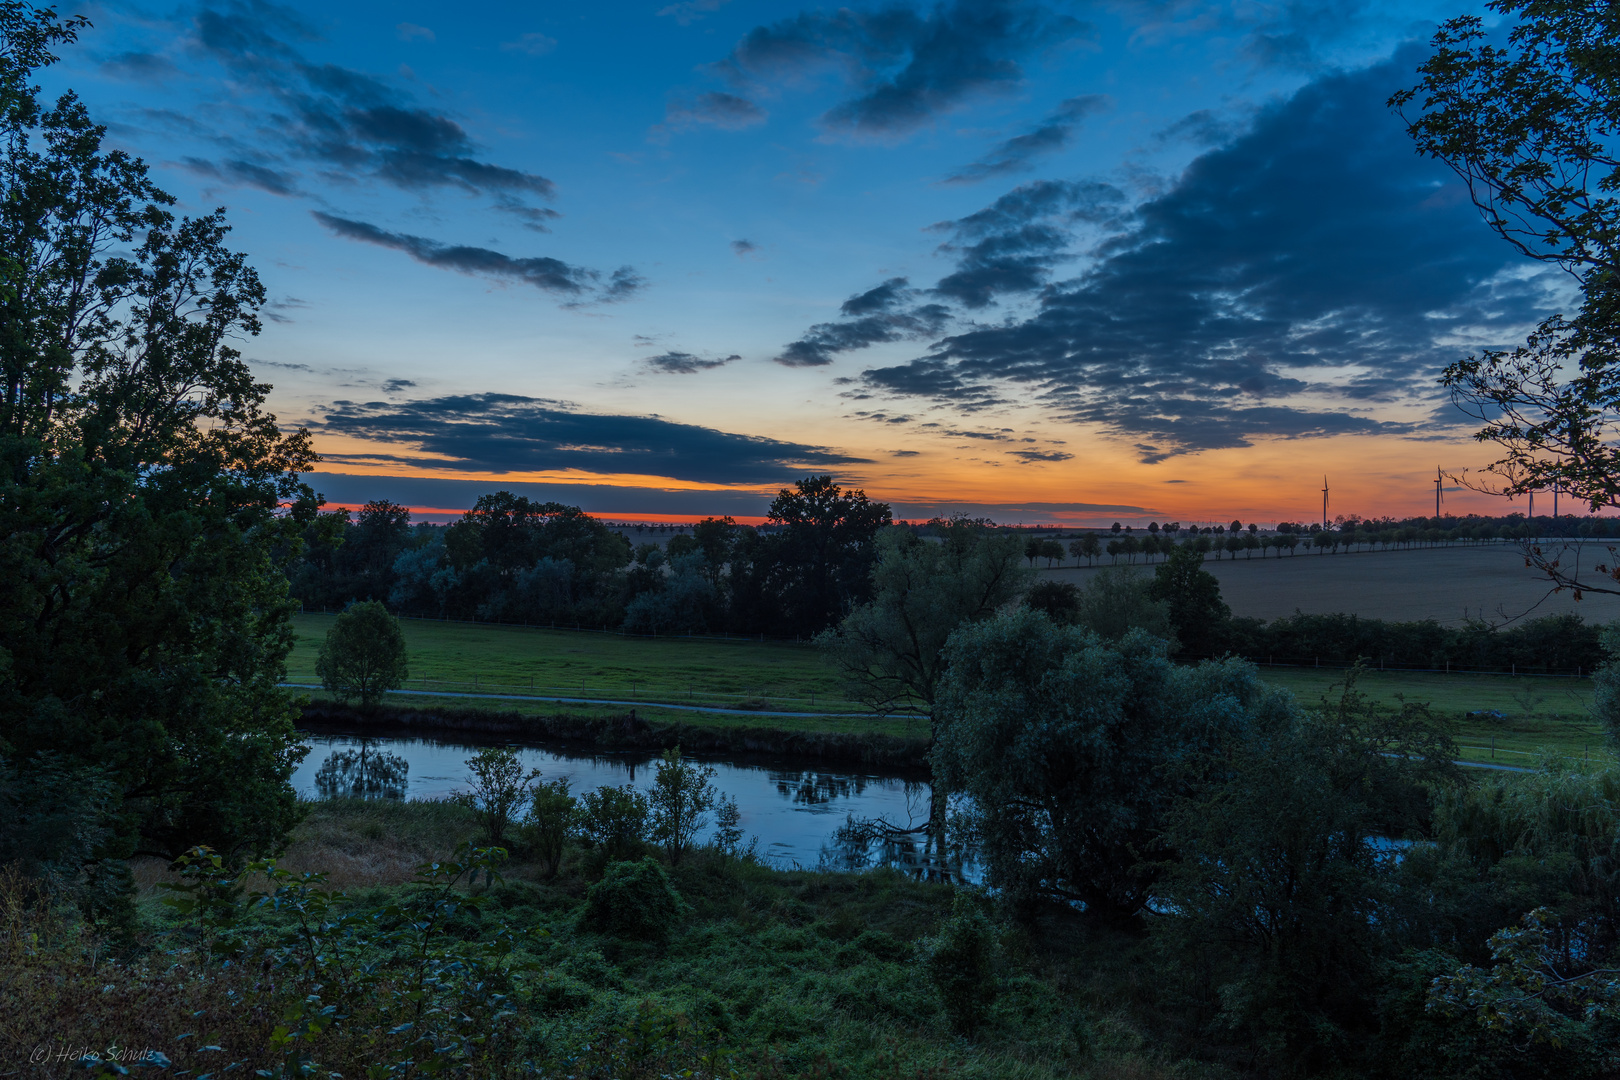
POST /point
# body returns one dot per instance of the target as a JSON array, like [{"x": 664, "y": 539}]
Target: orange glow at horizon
[{"x": 1270, "y": 481}]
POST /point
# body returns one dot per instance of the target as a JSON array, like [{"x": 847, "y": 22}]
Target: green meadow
[{"x": 1537, "y": 714}]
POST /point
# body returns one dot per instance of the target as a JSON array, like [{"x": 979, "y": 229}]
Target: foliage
[
  {"x": 363, "y": 655},
  {"x": 147, "y": 499},
  {"x": 633, "y": 900},
  {"x": 1193, "y": 594},
  {"x": 889, "y": 649},
  {"x": 1113, "y": 603},
  {"x": 1284, "y": 876},
  {"x": 58, "y": 826},
  {"x": 348, "y": 558},
  {"x": 1606, "y": 684},
  {"x": 1074, "y": 749},
  {"x": 362, "y": 774},
  {"x": 682, "y": 796},
  {"x": 961, "y": 961},
  {"x": 728, "y": 832},
  {"x": 551, "y": 819},
  {"x": 498, "y": 789},
  {"x": 822, "y": 559},
  {"x": 1528, "y": 127},
  {"x": 614, "y": 820}
]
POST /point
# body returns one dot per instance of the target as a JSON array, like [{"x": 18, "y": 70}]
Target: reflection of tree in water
[
  {"x": 362, "y": 774},
  {"x": 814, "y": 789},
  {"x": 913, "y": 847}
]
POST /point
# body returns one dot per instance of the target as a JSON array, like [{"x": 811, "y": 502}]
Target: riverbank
[{"x": 632, "y": 729}]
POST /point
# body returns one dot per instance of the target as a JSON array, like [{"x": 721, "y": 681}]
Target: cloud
[
  {"x": 394, "y": 386},
  {"x": 1049, "y": 136},
  {"x": 1033, "y": 457},
  {"x": 714, "y": 109},
  {"x": 1013, "y": 245},
  {"x": 743, "y": 248},
  {"x": 139, "y": 67},
  {"x": 683, "y": 363},
  {"x": 531, "y": 44},
  {"x": 885, "y": 313},
  {"x": 504, "y": 433},
  {"x": 909, "y": 66},
  {"x": 691, "y": 11},
  {"x": 246, "y": 174},
  {"x": 542, "y": 272},
  {"x": 412, "y": 32},
  {"x": 344, "y": 120},
  {"x": 1204, "y": 127},
  {"x": 1301, "y": 280}
]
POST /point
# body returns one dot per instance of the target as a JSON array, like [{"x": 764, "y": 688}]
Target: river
[{"x": 794, "y": 808}]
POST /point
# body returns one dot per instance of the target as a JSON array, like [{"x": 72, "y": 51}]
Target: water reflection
[
  {"x": 797, "y": 814},
  {"x": 366, "y": 773}
]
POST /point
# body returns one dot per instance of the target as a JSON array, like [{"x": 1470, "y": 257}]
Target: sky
[{"x": 1060, "y": 262}]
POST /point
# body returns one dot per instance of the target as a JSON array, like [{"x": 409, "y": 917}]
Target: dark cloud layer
[
  {"x": 543, "y": 272},
  {"x": 1314, "y": 258},
  {"x": 1013, "y": 245},
  {"x": 885, "y": 313},
  {"x": 1049, "y": 136},
  {"x": 340, "y": 120},
  {"x": 685, "y": 363},
  {"x": 503, "y": 433},
  {"x": 909, "y": 65}
]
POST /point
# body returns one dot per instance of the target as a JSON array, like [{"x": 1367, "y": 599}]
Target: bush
[
  {"x": 499, "y": 788},
  {"x": 633, "y": 900},
  {"x": 961, "y": 963},
  {"x": 551, "y": 817},
  {"x": 613, "y": 820},
  {"x": 682, "y": 797}
]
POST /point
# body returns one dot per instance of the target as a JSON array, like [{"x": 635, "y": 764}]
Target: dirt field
[{"x": 1445, "y": 584}]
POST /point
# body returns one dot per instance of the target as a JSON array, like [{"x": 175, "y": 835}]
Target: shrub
[
  {"x": 633, "y": 900},
  {"x": 499, "y": 787},
  {"x": 551, "y": 816},
  {"x": 961, "y": 962},
  {"x": 682, "y": 797},
  {"x": 613, "y": 820}
]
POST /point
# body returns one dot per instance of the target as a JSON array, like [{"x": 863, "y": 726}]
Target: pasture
[
  {"x": 756, "y": 677},
  {"x": 472, "y": 657},
  {"x": 1447, "y": 584}
]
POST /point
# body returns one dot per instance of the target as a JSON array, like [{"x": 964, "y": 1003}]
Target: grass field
[
  {"x": 1540, "y": 714},
  {"x": 572, "y": 663}
]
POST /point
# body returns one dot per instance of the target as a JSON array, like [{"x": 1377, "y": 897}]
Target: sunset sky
[{"x": 1047, "y": 262}]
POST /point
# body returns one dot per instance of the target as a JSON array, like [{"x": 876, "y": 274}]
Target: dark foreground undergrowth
[{"x": 754, "y": 972}]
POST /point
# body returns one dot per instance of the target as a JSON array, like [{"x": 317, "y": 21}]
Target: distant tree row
[{"x": 515, "y": 560}]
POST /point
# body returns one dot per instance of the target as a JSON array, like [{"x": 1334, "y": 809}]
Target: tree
[
  {"x": 1280, "y": 892},
  {"x": 682, "y": 796},
  {"x": 498, "y": 790},
  {"x": 1051, "y": 551},
  {"x": 1197, "y": 611},
  {"x": 1032, "y": 549},
  {"x": 1087, "y": 547},
  {"x": 1074, "y": 749},
  {"x": 148, "y": 502},
  {"x": 363, "y": 774},
  {"x": 823, "y": 557},
  {"x": 889, "y": 650},
  {"x": 551, "y": 818},
  {"x": 613, "y": 820},
  {"x": 1529, "y": 129},
  {"x": 364, "y": 655}
]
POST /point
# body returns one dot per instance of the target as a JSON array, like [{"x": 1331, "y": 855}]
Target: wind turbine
[
  {"x": 1438, "y": 497},
  {"x": 1324, "y": 500}
]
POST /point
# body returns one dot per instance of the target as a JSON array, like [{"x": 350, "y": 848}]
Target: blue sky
[{"x": 1050, "y": 260}]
